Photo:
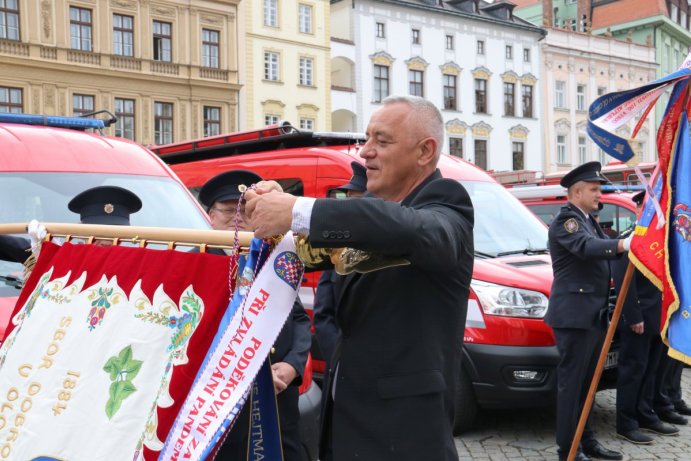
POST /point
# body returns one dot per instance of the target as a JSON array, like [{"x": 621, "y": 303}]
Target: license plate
[{"x": 611, "y": 360}]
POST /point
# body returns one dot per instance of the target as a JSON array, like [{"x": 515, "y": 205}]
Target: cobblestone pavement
[{"x": 528, "y": 435}]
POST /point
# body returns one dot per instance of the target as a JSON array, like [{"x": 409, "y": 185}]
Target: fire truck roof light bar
[{"x": 54, "y": 121}]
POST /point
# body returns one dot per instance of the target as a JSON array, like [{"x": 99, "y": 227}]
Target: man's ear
[{"x": 428, "y": 149}]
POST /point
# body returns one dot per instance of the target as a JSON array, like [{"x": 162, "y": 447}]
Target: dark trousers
[
  {"x": 668, "y": 381},
  {"x": 235, "y": 446},
  {"x": 578, "y": 353},
  {"x": 639, "y": 356}
]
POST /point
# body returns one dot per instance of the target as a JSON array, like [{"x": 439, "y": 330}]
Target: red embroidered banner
[{"x": 103, "y": 347}]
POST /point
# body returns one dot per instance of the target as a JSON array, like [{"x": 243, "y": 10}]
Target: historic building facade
[
  {"x": 286, "y": 54},
  {"x": 167, "y": 69},
  {"x": 475, "y": 60},
  {"x": 579, "y": 67}
]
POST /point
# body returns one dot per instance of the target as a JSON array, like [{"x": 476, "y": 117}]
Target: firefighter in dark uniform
[
  {"x": 578, "y": 305},
  {"x": 639, "y": 354},
  {"x": 289, "y": 353}
]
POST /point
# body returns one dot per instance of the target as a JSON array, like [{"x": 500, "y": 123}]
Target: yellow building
[
  {"x": 167, "y": 69},
  {"x": 287, "y": 64}
]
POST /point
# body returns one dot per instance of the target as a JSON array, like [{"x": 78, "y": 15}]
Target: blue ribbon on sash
[
  {"x": 265, "y": 436},
  {"x": 612, "y": 144}
]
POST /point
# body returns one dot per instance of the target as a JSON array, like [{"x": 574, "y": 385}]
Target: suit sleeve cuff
[{"x": 302, "y": 214}]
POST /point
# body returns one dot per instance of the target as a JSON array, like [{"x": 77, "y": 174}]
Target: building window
[
  {"x": 416, "y": 82},
  {"x": 509, "y": 99},
  {"x": 381, "y": 31},
  {"x": 271, "y": 66},
  {"x": 480, "y": 47},
  {"x": 582, "y": 150},
  {"x": 80, "y": 29},
  {"x": 449, "y": 91},
  {"x": 210, "y": 47},
  {"x": 271, "y": 13},
  {"x": 449, "y": 42},
  {"x": 526, "y": 54},
  {"x": 509, "y": 52},
  {"x": 481, "y": 153},
  {"x": 518, "y": 156},
  {"x": 306, "y": 71},
  {"x": 163, "y": 39},
  {"x": 9, "y": 19},
  {"x": 82, "y": 104},
  {"x": 559, "y": 94},
  {"x": 456, "y": 147},
  {"x": 561, "y": 149},
  {"x": 124, "y": 111},
  {"x": 163, "y": 123},
  {"x": 305, "y": 18},
  {"x": 271, "y": 119},
  {"x": 580, "y": 97},
  {"x": 123, "y": 35},
  {"x": 527, "y": 101},
  {"x": 306, "y": 124},
  {"x": 381, "y": 82},
  {"x": 480, "y": 96},
  {"x": 416, "y": 36},
  {"x": 601, "y": 157},
  {"x": 212, "y": 121},
  {"x": 601, "y": 90},
  {"x": 11, "y": 100},
  {"x": 674, "y": 12}
]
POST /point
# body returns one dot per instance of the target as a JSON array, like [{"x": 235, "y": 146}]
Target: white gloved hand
[
  {"x": 37, "y": 232},
  {"x": 627, "y": 242}
]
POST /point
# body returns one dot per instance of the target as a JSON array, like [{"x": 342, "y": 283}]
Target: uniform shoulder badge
[{"x": 571, "y": 225}]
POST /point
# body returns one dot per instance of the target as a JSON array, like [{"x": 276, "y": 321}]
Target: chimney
[
  {"x": 547, "y": 13},
  {"x": 584, "y": 8}
]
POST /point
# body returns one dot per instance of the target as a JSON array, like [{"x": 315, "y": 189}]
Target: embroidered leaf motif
[{"x": 122, "y": 370}]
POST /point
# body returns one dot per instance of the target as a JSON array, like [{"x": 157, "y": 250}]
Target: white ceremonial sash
[{"x": 222, "y": 385}]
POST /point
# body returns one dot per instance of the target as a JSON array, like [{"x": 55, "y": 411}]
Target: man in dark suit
[
  {"x": 390, "y": 396},
  {"x": 221, "y": 195},
  {"x": 578, "y": 304},
  {"x": 639, "y": 353},
  {"x": 326, "y": 327}
]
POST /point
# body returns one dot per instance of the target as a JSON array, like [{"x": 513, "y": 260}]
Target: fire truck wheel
[{"x": 465, "y": 406}]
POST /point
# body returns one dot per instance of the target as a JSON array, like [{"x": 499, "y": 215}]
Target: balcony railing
[
  {"x": 84, "y": 57},
  {"x": 214, "y": 74},
  {"x": 14, "y": 47},
  {"x": 124, "y": 62},
  {"x": 167, "y": 68}
]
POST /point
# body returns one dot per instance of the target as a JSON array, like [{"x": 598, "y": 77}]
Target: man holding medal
[{"x": 396, "y": 366}]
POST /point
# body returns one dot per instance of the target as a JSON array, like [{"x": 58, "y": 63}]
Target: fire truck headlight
[{"x": 509, "y": 301}]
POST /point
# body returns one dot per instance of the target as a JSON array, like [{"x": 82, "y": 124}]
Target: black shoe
[
  {"x": 660, "y": 428},
  {"x": 673, "y": 417},
  {"x": 579, "y": 457},
  {"x": 597, "y": 451},
  {"x": 635, "y": 436},
  {"x": 682, "y": 408}
]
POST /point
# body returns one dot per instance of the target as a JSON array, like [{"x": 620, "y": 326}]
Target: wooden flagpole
[
  {"x": 142, "y": 235},
  {"x": 601, "y": 361}
]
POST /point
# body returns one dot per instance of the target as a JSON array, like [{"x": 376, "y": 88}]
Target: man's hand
[
  {"x": 269, "y": 213},
  {"x": 624, "y": 244},
  {"x": 283, "y": 374},
  {"x": 269, "y": 186},
  {"x": 637, "y": 328}
]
